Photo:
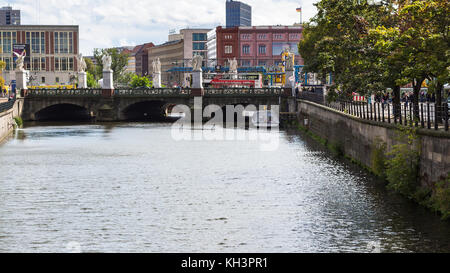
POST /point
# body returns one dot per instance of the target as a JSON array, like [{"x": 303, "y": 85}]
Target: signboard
[{"x": 19, "y": 48}]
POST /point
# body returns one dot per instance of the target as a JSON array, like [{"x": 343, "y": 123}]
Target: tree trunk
[
  {"x": 396, "y": 101},
  {"x": 439, "y": 110}
]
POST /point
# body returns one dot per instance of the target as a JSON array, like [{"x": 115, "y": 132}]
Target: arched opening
[
  {"x": 237, "y": 114},
  {"x": 63, "y": 112},
  {"x": 146, "y": 111}
]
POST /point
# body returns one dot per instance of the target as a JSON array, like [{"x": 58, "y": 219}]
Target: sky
[{"x": 113, "y": 23}]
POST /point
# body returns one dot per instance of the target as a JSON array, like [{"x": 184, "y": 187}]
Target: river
[{"x": 132, "y": 187}]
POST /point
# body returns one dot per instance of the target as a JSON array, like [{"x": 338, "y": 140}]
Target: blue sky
[{"x": 109, "y": 23}]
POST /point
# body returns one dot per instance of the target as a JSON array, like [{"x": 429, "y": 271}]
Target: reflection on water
[{"x": 130, "y": 187}]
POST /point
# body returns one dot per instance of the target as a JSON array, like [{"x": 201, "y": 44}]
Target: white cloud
[{"x": 107, "y": 23}]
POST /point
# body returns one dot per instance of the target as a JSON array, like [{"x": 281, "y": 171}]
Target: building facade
[
  {"x": 238, "y": 14},
  {"x": 141, "y": 58},
  {"x": 211, "y": 45},
  {"x": 52, "y": 59},
  {"x": 177, "y": 54},
  {"x": 257, "y": 46},
  {"x": 9, "y": 16}
]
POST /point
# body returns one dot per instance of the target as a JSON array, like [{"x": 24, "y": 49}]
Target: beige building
[
  {"x": 177, "y": 53},
  {"x": 170, "y": 54},
  {"x": 52, "y": 59}
]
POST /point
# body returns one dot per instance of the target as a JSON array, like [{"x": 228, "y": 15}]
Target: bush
[
  {"x": 140, "y": 82},
  {"x": 19, "y": 121},
  {"x": 402, "y": 167},
  {"x": 441, "y": 198}
]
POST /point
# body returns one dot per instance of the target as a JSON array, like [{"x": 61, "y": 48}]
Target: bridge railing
[
  {"x": 5, "y": 106},
  {"x": 244, "y": 91},
  {"x": 161, "y": 92},
  {"x": 164, "y": 92},
  {"x": 64, "y": 92}
]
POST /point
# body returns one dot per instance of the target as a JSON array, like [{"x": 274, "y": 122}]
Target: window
[
  {"x": 201, "y": 53},
  {"x": 42, "y": 64},
  {"x": 294, "y": 36},
  {"x": 199, "y": 46},
  {"x": 63, "y": 42},
  {"x": 7, "y": 42},
  {"x": 262, "y": 63},
  {"x": 246, "y": 36},
  {"x": 245, "y": 63},
  {"x": 57, "y": 79},
  {"x": 63, "y": 64},
  {"x": 262, "y": 36},
  {"x": 35, "y": 64},
  {"x": 36, "y": 40},
  {"x": 228, "y": 49},
  {"x": 57, "y": 68},
  {"x": 262, "y": 50},
  {"x": 199, "y": 37},
  {"x": 278, "y": 36},
  {"x": 228, "y": 37},
  {"x": 245, "y": 49},
  {"x": 43, "y": 79}
]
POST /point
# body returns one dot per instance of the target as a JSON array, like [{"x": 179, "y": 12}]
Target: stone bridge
[{"x": 140, "y": 104}]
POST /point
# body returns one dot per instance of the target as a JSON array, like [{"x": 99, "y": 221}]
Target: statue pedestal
[
  {"x": 108, "y": 81},
  {"x": 197, "y": 80},
  {"x": 157, "y": 80},
  {"x": 82, "y": 80},
  {"x": 21, "y": 81},
  {"x": 290, "y": 78}
]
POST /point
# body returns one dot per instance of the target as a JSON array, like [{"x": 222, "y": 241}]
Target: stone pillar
[
  {"x": 21, "y": 81},
  {"x": 157, "y": 80},
  {"x": 82, "y": 80},
  {"x": 108, "y": 83},
  {"x": 197, "y": 83},
  {"x": 289, "y": 74}
]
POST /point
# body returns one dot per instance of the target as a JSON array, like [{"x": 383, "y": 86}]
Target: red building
[{"x": 257, "y": 46}]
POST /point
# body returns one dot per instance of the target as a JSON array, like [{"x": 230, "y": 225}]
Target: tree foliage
[
  {"x": 118, "y": 64},
  {"x": 140, "y": 82},
  {"x": 369, "y": 48}
]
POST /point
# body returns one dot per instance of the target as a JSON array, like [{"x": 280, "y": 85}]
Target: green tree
[
  {"x": 91, "y": 81},
  {"x": 118, "y": 64},
  {"x": 140, "y": 82},
  {"x": 125, "y": 79}
]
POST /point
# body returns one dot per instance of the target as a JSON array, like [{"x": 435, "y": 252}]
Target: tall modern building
[
  {"x": 8, "y": 16},
  {"x": 238, "y": 14}
]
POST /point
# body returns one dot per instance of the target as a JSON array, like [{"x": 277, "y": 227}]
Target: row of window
[
  {"x": 39, "y": 64},
  {"x": 199, "y": 37},
  {"x": 261, "y": 49},
  {"x": 63, "y": 41},
  {"x": 262, "y": 36}
]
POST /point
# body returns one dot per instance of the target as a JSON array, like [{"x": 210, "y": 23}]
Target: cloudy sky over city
[{"x": 109, "y": 23}]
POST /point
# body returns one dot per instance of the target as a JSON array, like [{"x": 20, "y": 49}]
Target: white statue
[
  {"x": 81, "y": 63},
  {"x": 233, "y": 65},
  {"x": 289, "y": 59},
  {"x": 156, "y": 66},
  {"x": 197, "y": 63},
  {"x": 20, "y": 60},
  {"x": 107, "y": 60}
]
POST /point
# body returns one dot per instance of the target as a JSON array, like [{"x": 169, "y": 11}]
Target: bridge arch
[
  {"x": 63, "y": 111},
  {"x": 153, "y": 110}
]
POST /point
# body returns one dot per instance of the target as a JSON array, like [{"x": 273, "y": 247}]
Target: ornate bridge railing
[
  {"x": 64, "y": 92},
  {"x": 160, "y": 92},
  {"x": 248, "y": 92}
]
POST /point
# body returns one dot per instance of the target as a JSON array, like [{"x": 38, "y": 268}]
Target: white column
[
  {"x": 108, "y": 81},
  {"x": 197, "y": 79},
  {"x": 21, "y": 80},
  {"x": 157, "y": 80},
  {"x": 82, "y": 80}
]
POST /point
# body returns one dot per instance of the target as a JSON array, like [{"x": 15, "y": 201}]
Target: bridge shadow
[
  {"x": 149, "y": 111},
  {"x": 63, "y": 112}
]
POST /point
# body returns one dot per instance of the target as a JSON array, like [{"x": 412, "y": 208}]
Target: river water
[{"x": 132, "y": 187}]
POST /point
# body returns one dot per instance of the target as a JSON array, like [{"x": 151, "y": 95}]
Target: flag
[{"x": 299, "y": 9}]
